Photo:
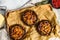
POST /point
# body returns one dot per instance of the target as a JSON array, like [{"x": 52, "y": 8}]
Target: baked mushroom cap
[
  {"x": 44, "y": 27},
  {"x": 29, "y": 17},
  {"x": 16, "y": 32}
]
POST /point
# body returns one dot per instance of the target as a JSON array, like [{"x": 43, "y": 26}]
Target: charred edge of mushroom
[
  {"x": 12, "y": 28},
  {"x": 24, "y": 13},
  {"x": 39, "y": 31}
]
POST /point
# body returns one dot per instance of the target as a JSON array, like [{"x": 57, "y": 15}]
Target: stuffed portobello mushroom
[
  {"x": 44, "y": 27},
  {"x": 16, "y": 32},
  {"x": 29, "y": 17}
]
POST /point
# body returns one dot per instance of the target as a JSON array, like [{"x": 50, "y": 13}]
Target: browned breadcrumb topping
[
  {"x": 44, "y": 27},
  {"x": 29, "y": 17},
  {"x": 16, "y": 32}
]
